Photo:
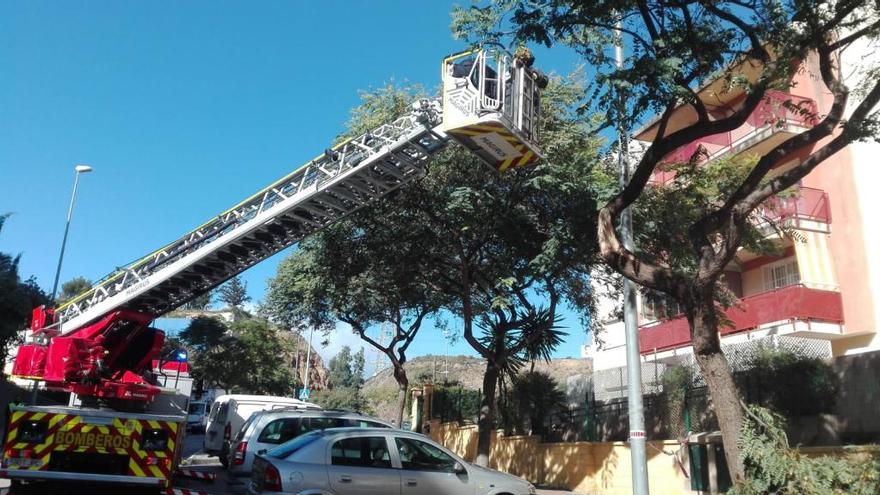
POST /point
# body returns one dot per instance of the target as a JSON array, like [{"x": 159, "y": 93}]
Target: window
[
  {"x": 361, "y": 452},
  {"x": 658, "y": 306},
  {"x": 279, "y": 431},
  {"x": 214, "y": 409},
  {"x": 320, "y": 423},
  {"x": 362, "y": 423},
  {"x": 781, "y": 274},
  {"x": 221, "y": 413},
  {"x": 289, "y": 448},
  {"x": 247, "y": 424},
  {"x": 416, "y": 455}
]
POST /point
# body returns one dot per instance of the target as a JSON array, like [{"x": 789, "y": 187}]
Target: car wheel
[
  {"x": 17, "y": 487},
  {"x": 224, "y": 461}
]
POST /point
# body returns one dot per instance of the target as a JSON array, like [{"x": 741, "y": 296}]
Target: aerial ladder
[{"x": 100, "y": 345}]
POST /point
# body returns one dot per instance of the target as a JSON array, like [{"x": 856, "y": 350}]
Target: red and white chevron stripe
[
  {"x": 198, "y": 475},
  {"x": 184, "y": 491}
]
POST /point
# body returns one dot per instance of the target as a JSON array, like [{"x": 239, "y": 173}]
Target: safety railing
[
  {"x": 794, "y": 302},
  {"x": 806, "y": 207},
  {"x": 778, "y": 111}
]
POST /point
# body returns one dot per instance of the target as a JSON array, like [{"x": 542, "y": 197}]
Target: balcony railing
[
  {"x": 786, "y": 304},
  {"x": 778, "y": 111},
  {"x": 808, "y": 208}
]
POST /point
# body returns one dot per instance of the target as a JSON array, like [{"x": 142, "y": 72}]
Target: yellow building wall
[{"x": 585, "y": 467}]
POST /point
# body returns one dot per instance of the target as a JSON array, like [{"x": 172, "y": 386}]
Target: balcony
[
  {"x": 806, "y": 209},
  {"x": 779, "y": 116},
  {"x": 808, "y": 310}
]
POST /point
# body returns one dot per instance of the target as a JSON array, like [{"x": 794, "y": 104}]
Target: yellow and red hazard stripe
[
  {"x": 68, "y": 433},
  {"x": 527, "y": 156}
]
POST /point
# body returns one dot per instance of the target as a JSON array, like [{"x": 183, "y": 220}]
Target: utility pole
[
  {"x": 308, "y": 362},
  {"x": 637, "y": 435}
]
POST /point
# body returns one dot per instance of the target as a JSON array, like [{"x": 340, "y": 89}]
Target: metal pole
[
  {"x": 66, "y": 230},
  {"x": 637, "y": 440},
  {"x": 308, "y": 359}
]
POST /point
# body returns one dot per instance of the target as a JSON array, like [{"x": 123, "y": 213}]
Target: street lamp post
[
  {"x": 637, "y": 435},
  {"x": 80, "y": 169}
]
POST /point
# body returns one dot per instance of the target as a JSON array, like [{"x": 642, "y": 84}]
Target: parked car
[
  {"x": 197, "y": 415},
  {"x": 229, "y": 412},
  {"x": 266, "y": 430},
  {"x": 373, "y": 461}
]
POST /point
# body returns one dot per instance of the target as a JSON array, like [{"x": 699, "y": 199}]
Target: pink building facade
[{"x": 825, "y": 284}]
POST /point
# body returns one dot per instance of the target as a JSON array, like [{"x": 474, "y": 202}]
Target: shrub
[
  {"x": 773, "y": 467},
  {"x": 792, "y": 384}
]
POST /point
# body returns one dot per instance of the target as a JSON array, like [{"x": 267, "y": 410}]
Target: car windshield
[
  {"x": 196, "y": 407},
  {"x": 284, "y": 450}
]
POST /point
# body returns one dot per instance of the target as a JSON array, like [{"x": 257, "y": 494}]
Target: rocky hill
[{"x": 297, "y": 350}]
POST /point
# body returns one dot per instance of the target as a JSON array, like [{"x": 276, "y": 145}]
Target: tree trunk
[
  {"x": 485, "y": 424},
  {"x": 719, "y": 377},
  {"x": 402, "y": 389}
]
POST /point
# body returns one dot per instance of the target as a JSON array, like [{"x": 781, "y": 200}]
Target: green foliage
[
  {"x": 17, "y": 298},
  {"x": 73, "y": 288},
  {"x": 218, "y": 352},
  {"x": 345, "y": 398},
  {"x": 773, "y": 467},
  {"x": 792, "y": 384},
  {"x": 346, "y": 381},
  {"x": 263, "y": 350},
  {"x": 382, "y": 105},
  {"x": 201, "y": 302},
  {"x": 452, "y": 402},
  {"x": 533, "y": 397},
  {"x": 347, "y": 369},
  {"x": 677, "y": 380},
  {"x": 660, "y": 213},
  {"x": 204, "y": 333},
  {"x": 234, "y": 293}
]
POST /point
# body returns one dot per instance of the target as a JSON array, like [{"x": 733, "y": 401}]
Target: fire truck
[{"x": 126, "y": 421}]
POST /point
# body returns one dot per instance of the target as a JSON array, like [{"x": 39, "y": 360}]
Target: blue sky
[{"x": 185, "y": 108}]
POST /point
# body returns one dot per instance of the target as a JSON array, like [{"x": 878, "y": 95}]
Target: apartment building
[{"x": 825, "y": 283}]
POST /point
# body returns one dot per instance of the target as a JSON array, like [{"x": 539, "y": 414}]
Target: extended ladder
[{"x": 329, "y": 187}]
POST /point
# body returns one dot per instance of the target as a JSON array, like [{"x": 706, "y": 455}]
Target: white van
[
  {"x": 229, "y": 412},
  {"x": 197, "y": 415}
]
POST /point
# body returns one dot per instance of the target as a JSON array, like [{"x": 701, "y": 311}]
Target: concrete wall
[{"x": 584, "y": 467}]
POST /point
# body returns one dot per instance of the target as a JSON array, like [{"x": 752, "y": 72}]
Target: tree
[
  {"x": 234, "y": 294},
  {"x": 347, "y": 369},
  {"x": 73, "y": 288},
  {"x": 204, "y": 333},
  {"x": 355, "y": 271},
  {"x": 496, "y": 249},
  {"x": 17, "y": 298},
  {"x": 533, "y": 397},
  {"x": 211, "y": 352},
  {"x": 262, "y": 352},
  {"x": 346, "y": 381},
  {"x": 674, "y": 46},
  {"x": 200, "y": 303},
  {"x": 218, "y": 351}
]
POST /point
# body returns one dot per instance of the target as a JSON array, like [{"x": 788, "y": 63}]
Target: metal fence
[{"x": 598, "y": 409}]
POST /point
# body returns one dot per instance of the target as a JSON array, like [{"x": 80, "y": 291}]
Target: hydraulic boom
[{"x": 99, "y": 344}]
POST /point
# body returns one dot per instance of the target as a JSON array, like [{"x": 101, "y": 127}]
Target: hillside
[{"x": 381, "y": 388}]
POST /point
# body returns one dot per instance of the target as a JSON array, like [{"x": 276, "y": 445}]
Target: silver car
[
  {"x": 373, "y": 461},
  {"x": 266, "y": 430}
]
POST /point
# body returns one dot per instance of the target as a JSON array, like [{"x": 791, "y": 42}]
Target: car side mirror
[
  {"x": 261, "y": 451},
  {"x": 459, "y": 469}
]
